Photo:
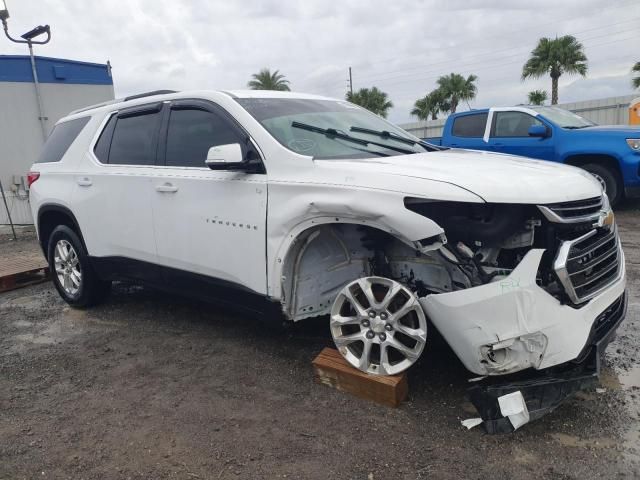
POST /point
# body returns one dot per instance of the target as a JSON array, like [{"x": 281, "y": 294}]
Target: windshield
[
  {"x": 563, "y": 118},
  {"x": 327, "y": 129}
]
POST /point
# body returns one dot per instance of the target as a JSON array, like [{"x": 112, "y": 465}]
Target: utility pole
[{"x": 350, "y": 82}]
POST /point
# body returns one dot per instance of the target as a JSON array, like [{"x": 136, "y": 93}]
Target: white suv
[{"x": 319, "y": 207}]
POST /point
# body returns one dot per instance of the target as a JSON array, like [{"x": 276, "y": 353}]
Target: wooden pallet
[
  {"x": 21, "y": 271},
  {"x": 331, "y": 369}
]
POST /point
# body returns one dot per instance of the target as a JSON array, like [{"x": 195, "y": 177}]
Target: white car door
[
  {"x": 210, "y": 223},
  {"x": 112, "y": 195}
]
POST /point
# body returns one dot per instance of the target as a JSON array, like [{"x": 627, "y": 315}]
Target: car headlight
[{"x": 634, "y": 144}]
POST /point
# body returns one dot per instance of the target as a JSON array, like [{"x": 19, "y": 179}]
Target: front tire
[
  {"x": 609, "y": 179},
  {"x": 72, "y": 273},
  {"x": 378, "y": 325}
]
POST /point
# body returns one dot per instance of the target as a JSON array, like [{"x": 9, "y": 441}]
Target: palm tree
[
  {"x": 555, "y": 57},
  {"x": 372, "y": 99},
  {"x": 538, "y": 97},
  {"x": 265, "y": 80},
  {"x": 430, "y": 105},
  {"x": 455, "y": 88},
  {"x": 636, "y": 80}
]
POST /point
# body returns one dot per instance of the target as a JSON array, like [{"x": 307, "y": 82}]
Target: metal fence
[{"x": 605, "y": 111}]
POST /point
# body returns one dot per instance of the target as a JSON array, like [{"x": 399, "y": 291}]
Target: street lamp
[{"x": 28, "y": 38}]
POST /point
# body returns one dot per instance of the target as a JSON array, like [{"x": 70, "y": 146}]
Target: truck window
[
  {"x": 61, "y": 139},
  {"x": 470, "y": 125},
  {"x": 512, "y": 124}
]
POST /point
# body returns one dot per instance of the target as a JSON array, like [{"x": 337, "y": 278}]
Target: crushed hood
[{"x": 494, "y": 177}]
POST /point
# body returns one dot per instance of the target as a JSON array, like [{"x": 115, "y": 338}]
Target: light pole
[{"x": 28, "y": 38}]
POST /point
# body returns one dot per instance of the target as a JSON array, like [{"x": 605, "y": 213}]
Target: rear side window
[
  {"x": 192, "y": 132},
  {"x": 470, "y": 125},
  {"x": 60, "y": 140},
  {"x": 134, "y": 139}
]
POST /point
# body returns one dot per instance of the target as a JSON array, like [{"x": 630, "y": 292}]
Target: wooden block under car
[{"x": 331, "y": 369}]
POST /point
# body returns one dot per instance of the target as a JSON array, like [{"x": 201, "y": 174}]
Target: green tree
[
  {"x": 455, "y": 89},
  {"x": 430, "y": 105},
  {"x": 636, "y": 80},
  {"x": 265, "y": 80},
  {"x": 372, "y": 99},
  {"x": 555, "y": 57},
  {"x": 538, "y": 97}
]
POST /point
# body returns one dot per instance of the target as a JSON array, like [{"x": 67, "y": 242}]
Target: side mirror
[
  {"x": 225, "y": 157},
  {"x": 538, "y": 131}
]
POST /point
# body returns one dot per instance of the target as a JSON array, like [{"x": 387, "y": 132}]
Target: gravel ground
[{"x": 154, "y": 386}]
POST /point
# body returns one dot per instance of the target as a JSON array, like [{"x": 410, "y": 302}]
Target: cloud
[{"x": 401, "y": 46}]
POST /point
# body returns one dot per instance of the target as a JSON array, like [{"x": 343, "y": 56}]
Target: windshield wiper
[
  {"x": 333, "y": 133},
  {"x": 573, "y": 127},
  {"x": 384, "y": 134}
]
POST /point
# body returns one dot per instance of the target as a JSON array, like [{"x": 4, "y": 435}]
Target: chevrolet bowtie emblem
[{"x": 606, "y": 219}]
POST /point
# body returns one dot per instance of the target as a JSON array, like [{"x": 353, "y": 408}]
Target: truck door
[
  {"x": 467, "y": 131},
  {"x": 509, "y": 133}
]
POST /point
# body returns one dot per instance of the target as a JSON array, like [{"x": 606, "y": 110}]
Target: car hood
[
  {"x": 494, "y": 177},
  {"x": 628, "y": 131}
]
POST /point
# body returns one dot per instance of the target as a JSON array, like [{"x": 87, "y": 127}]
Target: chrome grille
[
  {"x": 589, "y": 264},
  {"x": 573, "y": 212}
]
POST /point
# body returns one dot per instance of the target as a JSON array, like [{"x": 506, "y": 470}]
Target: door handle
[
  {"x": 84, "y": 182},
  {"x": 166, "y": 188}
]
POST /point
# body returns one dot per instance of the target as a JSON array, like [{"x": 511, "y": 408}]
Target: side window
[
  {"x": 512, "y": 124},
  {"x": 103, "y": 144},
  {"x": 192, "y": 132},
  {"x": 469, "y": 125},
  {"x": 61, "y": 139},
  {"x": 134, "y": 139}
]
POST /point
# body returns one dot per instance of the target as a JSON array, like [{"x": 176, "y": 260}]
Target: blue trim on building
[{"x": 17, "y": 68}]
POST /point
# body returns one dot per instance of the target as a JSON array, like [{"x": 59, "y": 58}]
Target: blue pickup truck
[{"x": 610, "y": 153}]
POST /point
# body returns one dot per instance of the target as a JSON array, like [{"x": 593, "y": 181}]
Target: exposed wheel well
[
  {"x": 606, "y": 160},
  {"x": 49, "y": 217},
  {"x": 324, "y": 258}
]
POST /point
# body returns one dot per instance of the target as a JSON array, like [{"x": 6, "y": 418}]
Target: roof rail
[
  {"x": 96, "y": 105},
  {"x": 148, "y": 94},
  {"x": 118, "y": 100}
]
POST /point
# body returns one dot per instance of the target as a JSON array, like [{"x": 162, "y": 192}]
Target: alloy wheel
[
  {"x": 378, "y": 325},
  {"x": 67, "y": 266}
]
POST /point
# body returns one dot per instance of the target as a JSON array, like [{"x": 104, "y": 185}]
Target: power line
[
  {"x": 521, "y": 50},
  {"x": 495, "y": 66},
  {"x": 484, "y": 64},
  {"x": 501, "y": 35}
]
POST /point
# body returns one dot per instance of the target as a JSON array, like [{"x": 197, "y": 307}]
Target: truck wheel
[
  {"x": 608, "y": 179},
  {"x": 74, "y": 278},
  {"x": 378, "y": 325}
]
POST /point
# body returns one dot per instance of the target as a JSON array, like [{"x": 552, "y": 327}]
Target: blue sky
[{"x": 400, "y": 46}]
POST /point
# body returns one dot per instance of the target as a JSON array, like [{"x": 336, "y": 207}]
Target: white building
[{"x": 65, "y": 85}]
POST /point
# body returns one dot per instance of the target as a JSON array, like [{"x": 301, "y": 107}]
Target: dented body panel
[{"x": 512, "y": 308}]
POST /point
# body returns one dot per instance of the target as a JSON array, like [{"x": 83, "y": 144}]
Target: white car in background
[{"x": 318, "y": 207}]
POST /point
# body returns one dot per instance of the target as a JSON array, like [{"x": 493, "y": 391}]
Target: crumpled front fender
[{"x": 515, "y": 311}]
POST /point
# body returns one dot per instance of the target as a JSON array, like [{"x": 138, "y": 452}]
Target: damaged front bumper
[
  {"x": 513, "y": 324},
  {"x": 544, "y": 390}
]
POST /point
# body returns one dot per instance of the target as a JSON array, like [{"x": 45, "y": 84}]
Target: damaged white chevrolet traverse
[{"x": 318, "y": 207}]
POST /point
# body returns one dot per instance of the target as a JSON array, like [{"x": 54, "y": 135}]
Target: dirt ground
[{"x": 154, "y": 386}]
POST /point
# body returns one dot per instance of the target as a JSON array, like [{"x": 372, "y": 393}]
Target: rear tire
[
  {"x": 71, "y": 271},
  {"x": 608, "y": 178}
]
